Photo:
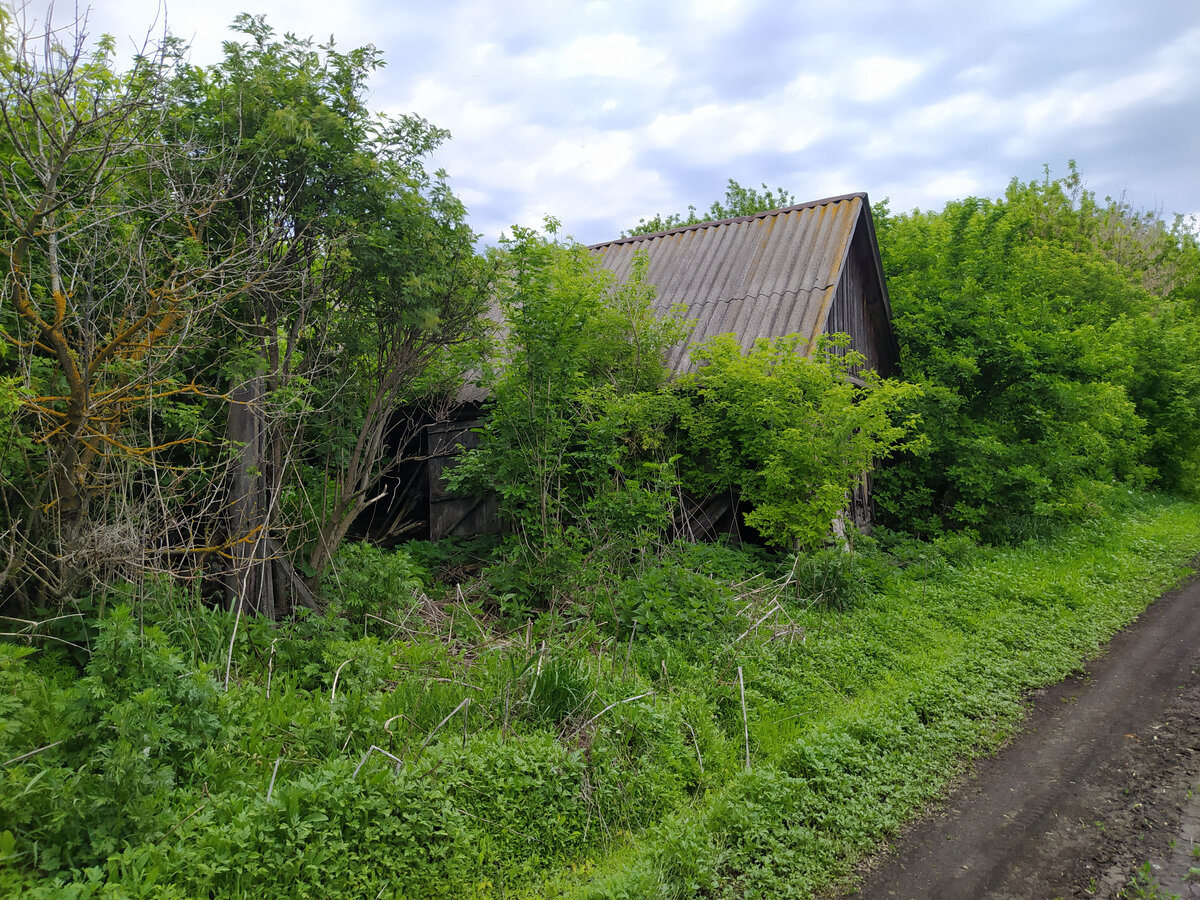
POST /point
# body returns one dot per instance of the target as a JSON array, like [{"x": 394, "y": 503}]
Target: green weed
[
  {"x": 453, "y": 757},
  {"x": 1144, "y": 886}
]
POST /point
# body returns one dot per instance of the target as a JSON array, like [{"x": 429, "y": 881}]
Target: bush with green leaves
[
  {"x": 790, "y": 431},
  {"x": 672, "y": 601},
  {"x": 119, "y": 742},
  {"x": 837, "y": 577},
  {"x": 367, "y": 580},
  {"x": 1056, "y": 346},
  {"x": 573, "y": 444}
]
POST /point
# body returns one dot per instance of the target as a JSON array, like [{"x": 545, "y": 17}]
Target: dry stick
[
  {"x": 696, "y": 744},
  {"x": 275, "y": 772},
  {"x": 38, "y": 624},
  {"x": 629, "y": 649},
  {"x": 396, "y": 625},
  {"x": 581, "y": 705},
  {"x": 333, "y": 692},
  {"x": 46, "y": 637},
  {"x": 537, "y": 673},
  {"x": 43, "y": 637},
  {"x": 610, "y": 706},
  {"x": 774, "y": 609},
  {"x": 29, "y": 754},
  {"x": 370, "y": 750},
  {"x": 271, "y": 667},
  {"x": 745, "y": 721},
  {"x": 462, "y": 601},
  {"x": 465, "y": 702},
  {"x": 229, "y": 659}
]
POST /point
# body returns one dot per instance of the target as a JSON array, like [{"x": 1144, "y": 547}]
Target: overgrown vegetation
[
  {"x": 1056, "y": 342},
  {"x": 418, "y": 748},
  {"x": 739, "y": 201},
  {"x": 232, "y": 295},
  {"x": 596, "y": 454},
  {"x": 221, "y": 285},
  {"x": 792, "y": 433}
]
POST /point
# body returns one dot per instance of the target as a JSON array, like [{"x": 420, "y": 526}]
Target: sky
[{"x": 601, "y": 113}]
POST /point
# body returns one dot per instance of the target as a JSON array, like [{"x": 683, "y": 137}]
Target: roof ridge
[{"x": 695, "y": 226}]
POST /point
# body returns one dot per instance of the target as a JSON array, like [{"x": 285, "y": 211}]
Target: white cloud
[
  {"x": 881, "y": 77},
  {"x": 722, "y": 13},
  {"x": 602, "y": 111},
  {"x": 1082, "y": 103},
  {"x": 716, "y": 133},
  {"x": 611, "y": 56},
  {"x": 971, "y": 111},
  {"x": 590, "y": 156}
]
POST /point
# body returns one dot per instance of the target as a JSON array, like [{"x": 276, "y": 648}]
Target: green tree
[
  {"x": 792, "y": 434},
  {"x": 739, "y": 201},
  {"x": 1051, "y": 373},
  {"x": 221, "y": 287},
  {"x": 106, "y": 286},
  {"x": 372, "y": 278},
  {"x": 574, "y": 440}
]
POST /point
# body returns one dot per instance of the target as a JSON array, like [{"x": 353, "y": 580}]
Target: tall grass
[{"x": 407, "y": 744}]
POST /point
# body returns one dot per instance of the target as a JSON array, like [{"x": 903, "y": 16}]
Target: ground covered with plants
[{"x": 409, "y": 744}]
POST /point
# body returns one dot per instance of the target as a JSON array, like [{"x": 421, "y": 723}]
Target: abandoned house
[
  {"x": 812, "y": 269},
  {"x": 809, "y": 269}
]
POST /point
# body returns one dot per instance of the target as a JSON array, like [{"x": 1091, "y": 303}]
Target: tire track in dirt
[{"x": 1099, "y": 781}]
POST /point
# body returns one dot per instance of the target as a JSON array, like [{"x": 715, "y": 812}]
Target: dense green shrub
[
  {"x": 674, "y": 602},
  {"x": 329, "y": 833},
  {"x": 368, "y": 580},
  {"x": 790, "y": 432},
  {"x": 573, "y": 442},
  {"x": 1057, "y": 368}
]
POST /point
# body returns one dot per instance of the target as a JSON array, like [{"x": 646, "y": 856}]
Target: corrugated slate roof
[{"x": 765, "y": 275}]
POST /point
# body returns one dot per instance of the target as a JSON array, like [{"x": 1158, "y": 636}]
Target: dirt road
[{"x": 1103, "y": 780}]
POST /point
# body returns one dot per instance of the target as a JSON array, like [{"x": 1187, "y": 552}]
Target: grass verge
[
  {"x": 422, "y": 748},
  {"x": 889, "y": 700}
]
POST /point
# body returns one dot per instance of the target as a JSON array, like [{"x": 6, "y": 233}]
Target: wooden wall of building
[
  {"x": 455, "y": 516},
  {"x": 858, "y": 310}
]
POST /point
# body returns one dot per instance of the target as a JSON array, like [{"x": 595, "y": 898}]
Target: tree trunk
[{"x": 259, "y": 577}]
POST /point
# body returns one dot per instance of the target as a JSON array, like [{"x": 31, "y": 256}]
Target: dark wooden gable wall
[{"x": 859, "y": 307}]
